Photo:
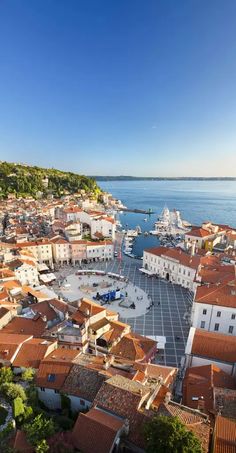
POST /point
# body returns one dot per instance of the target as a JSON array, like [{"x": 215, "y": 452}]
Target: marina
[{"x": 169, "y": 230}]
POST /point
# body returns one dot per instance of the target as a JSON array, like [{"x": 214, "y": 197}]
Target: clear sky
[{"x": 109, "y": 87}]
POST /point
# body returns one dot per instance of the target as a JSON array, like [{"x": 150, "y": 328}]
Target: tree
[
  {"x": 21, "y": 412},
  {"x": 28, "y": 374},
  {"x": 12, "y": 391},
  {"x": 40, "y": 428},
  {"x": 6, "y": 375},
  {"x": 167, "y": 434}
]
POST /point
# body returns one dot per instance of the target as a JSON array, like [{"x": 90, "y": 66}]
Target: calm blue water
[{"x": 197, "y": 201}]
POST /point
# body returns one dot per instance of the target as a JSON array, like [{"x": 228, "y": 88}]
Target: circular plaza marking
[{"x": 114, "y": 292}]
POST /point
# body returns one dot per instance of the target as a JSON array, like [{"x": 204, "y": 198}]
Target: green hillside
[{"x": 25, "y": 180}]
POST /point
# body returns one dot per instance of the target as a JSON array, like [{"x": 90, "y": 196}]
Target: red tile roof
[
  {"x": 177, "y": 254},
  {"x": 195, "y": 421},
  {"x": 224, "y": 435},
  {"x": 9, "y": 344},
  {"x": 52, "y": 375},
  {"x": 21, "y": 325},
  {"x": 221, "y": 294},
  {"x": 199, "y": 384},
  {"x": 134, "y": 347},
  {"x": 32, "y": 352},
  {"x": 214, "y": 346},
  {"x": 200, "y": 232},
  {"x": 96, "y": 431},
  {"x": 20, "y": 443}
]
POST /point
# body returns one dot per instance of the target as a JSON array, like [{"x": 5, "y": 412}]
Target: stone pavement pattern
[{"x": 165, "y": 318}]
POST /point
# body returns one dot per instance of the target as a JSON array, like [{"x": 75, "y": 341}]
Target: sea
[{"x": 197, "y": 201}]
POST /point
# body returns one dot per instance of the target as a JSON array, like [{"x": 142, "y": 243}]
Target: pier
[{"x": 139, "y": 211}]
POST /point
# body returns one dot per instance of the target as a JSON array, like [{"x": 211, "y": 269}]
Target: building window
[
  {"x": 51, "y": 377},
  {"x": 218, "y": 314},
  {"x": 204, "y": 312},
  {"x": 233, "y": 316},
  {"x": 56, "y": 391},
  {"x": 189, "y": 273},
  {"x": 231, "y": 328},
  {"x": 202, "y": 324},
  {"x": 42, "y": 389},
  {"x": 216, "y": 327}
]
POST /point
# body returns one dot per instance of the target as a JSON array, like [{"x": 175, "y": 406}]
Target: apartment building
[{"x": 214, "y": 307}]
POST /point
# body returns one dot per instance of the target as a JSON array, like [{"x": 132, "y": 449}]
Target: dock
[{"x": 139, "y": 211}]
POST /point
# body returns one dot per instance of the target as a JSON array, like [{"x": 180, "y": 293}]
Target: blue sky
[{"x": 119, "y": 87}]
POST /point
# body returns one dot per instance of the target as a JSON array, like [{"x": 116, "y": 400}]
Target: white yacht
[{"x": 170, "y": 222}]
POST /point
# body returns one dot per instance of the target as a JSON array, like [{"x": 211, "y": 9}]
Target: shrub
[
  {"x": 28, "y": 374},
  {"x": 63, "y": 422},
  {"x": 12, "y": 391},
  {"x": 6, "y": 375},
  {"x": 65, "y": 402},
  {"x": 42, "y": 447},
  {"x": 18, "y": 407}
]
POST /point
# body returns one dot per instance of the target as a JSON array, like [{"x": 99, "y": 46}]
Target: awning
[
  {"x": 46, "y": 278},
  {"x": 161, "y": 341},
  {"x": 145, "y": 271},
  {"x": 42, "y": 267}
]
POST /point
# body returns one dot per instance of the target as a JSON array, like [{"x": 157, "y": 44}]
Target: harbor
[{"x": 143, "y": 231}]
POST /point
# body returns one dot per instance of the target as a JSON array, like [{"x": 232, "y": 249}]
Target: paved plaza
[
  {"x": 167, "y": 317},
  {"x": 89, "y": 285}
]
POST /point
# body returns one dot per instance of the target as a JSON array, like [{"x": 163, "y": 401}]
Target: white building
[
  {"x": 71, "y": 214},
  {"x": 61, "y": 250},
  {"x": 172, "y": 264},
  {"x": 41, "y": 250},
  {"x": 100, "y": 251},
  {"x": 104, "y": 226},
  {"x": 25, "y": 271},
  {"x": 73, "y": 231},
  {"x": 214, "y": 308}
]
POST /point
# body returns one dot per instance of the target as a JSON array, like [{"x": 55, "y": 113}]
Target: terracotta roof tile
[
  {"x": 20, "y": 443},
  {"x": 96, "y": 431},
  {"x": 32, "y": 352},
  {"x": 133, "y": 347},
  {"x": 200, "y": 382},
  {"x": 193, "y": 420},
  {"x": 52, "y": 375},
  {"x": 224, "y": 435},
  {"x": 177, "y": 254},
  {"x": 83, "y": 382},
  {"x": 21, "y": 325},
  {"x": 221, "y": 294},
  {"x": 214, "y": 346}
]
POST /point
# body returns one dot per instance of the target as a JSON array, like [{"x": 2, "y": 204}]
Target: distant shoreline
[{"x": 183, "y": 178}]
